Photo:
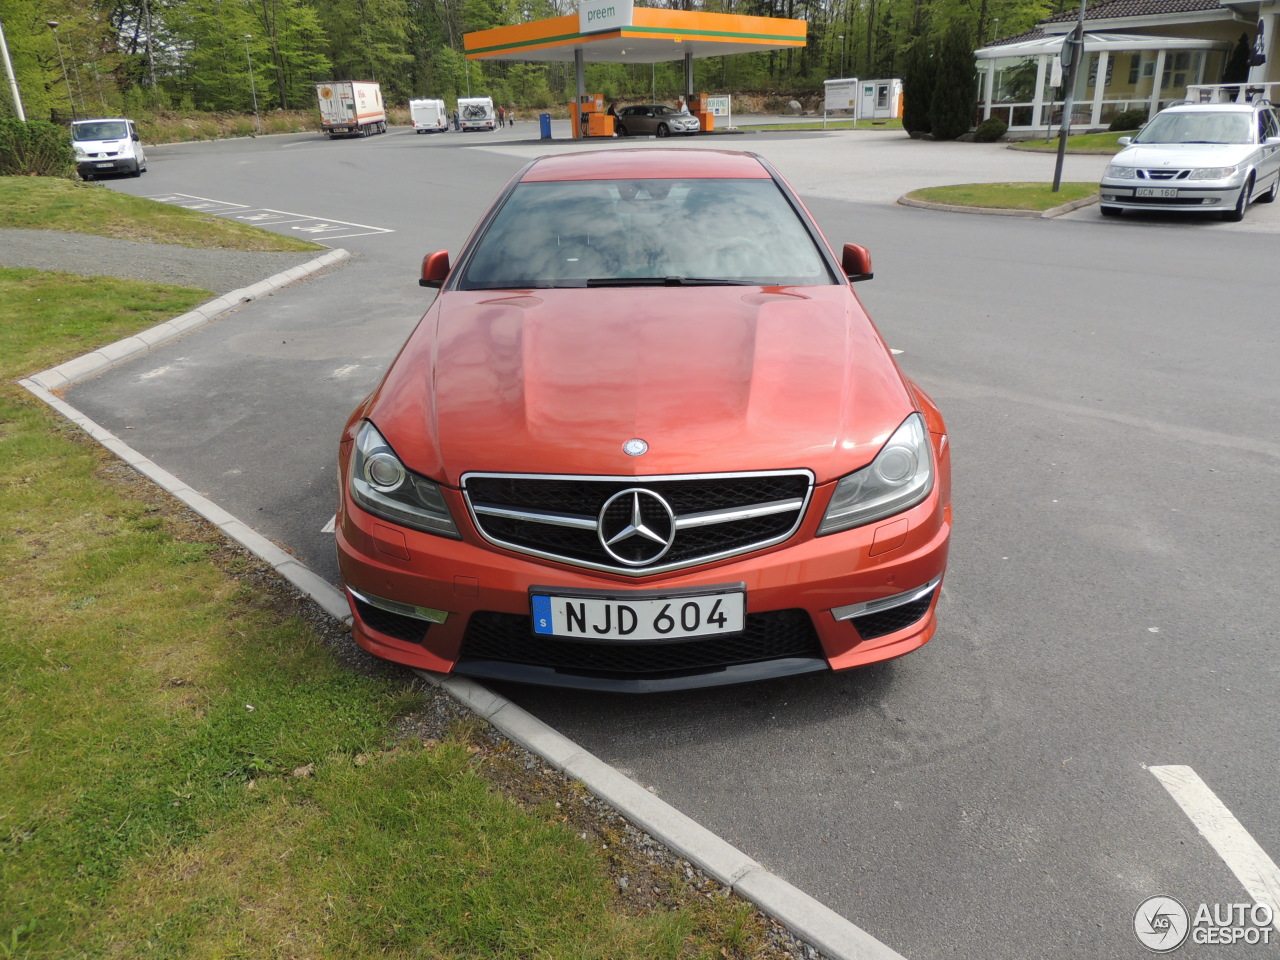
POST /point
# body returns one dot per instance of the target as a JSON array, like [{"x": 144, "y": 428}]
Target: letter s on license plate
[{"x": 643, "y": 618}]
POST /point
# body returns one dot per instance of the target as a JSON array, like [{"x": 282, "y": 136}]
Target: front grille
[
  {"x": 1162, "y": 174},
  {"x": 509, "y": 638},
  {"x": 895, "y": 618},
  {"x": 711, "y": 516}
]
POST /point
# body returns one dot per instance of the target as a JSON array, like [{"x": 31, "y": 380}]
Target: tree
[
  {"x": 954, "y": 101},
  {"x": 369, "y": 40},
  {"x": 919, "y": 76}
]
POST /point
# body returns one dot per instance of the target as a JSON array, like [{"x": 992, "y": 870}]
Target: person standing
[{"x": 502, "y": 117}]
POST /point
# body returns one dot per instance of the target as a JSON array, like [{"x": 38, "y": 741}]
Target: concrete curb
[
  {"x": 811, "y": 921},
  {"x": 60, "y": 377},
  {"x": 806, "y": 918},
  {"x": 995, "y": 212}
]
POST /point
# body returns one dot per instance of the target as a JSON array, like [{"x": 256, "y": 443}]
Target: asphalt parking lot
[{"x": 1109, "y": 609}]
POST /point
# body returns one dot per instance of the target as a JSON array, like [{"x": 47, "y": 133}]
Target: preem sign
[{"x": 596, "y": 16}]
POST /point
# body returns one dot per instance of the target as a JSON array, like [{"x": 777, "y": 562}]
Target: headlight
[
  {"x": 1211, "y": 173},
  {"x": 1117, "y": 172},
  {"x": 899, "y": 477},
  {"x": 380, "y": 483}
]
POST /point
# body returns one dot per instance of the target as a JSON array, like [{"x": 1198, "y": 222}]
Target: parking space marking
[
  {"x": 1233, "y": 843},
  {"x": 331, "y": 526},
  {"x": 313, "y": 227}
]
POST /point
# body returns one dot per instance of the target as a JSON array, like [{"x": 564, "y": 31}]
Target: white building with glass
[{"x": 1138, "y": 55}]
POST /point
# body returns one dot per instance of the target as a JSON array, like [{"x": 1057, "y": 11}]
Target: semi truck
[
  {"x": 476, "y": 113},
  {"x": 351, "y": 108},
  {"x": 428, "y": 116}
]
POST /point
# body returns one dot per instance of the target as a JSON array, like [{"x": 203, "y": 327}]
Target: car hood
[
  {"x": 1184, "y": 154},
  {"x": 90, "y": 146},
  {"x": 713, "y": 379}
]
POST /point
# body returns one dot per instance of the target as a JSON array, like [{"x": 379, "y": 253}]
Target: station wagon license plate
[
  {"x": 1156, "y": 192},
  {"x": 644, "y": 618}
]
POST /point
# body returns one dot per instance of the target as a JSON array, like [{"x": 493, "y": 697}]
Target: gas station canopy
[{"x": 616, "y": 31}]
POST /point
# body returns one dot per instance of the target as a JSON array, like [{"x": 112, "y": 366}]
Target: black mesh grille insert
[
  {"x": 509, "y": 638},
  {"x": 395, "y": 625},
  {"x": 878, "y": 624},
  {"x": 585, "y": 498}
]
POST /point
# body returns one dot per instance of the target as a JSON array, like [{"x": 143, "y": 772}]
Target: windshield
[
  {"x": 638, "y": 232},
  {"x": 100, "y": 130},
  {"x": 1198, "y": 127}
]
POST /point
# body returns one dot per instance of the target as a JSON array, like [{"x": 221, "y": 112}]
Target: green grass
[
  {"x": 190, "y": 772},
  {"x": 49, "y": 203},
  {"x": 831, "y": 125},
  {"x": 1006, "y": 196},
  {"x": 1079, "y": 143}
]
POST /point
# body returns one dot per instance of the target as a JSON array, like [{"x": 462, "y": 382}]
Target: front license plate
[
  {"x": 638, "y": 619},
  {"x": 101, "y": 166},
  {"x": 1156, "y": 192}
]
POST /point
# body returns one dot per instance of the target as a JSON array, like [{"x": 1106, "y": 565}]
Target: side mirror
[
  {"x": 136, "y": 138},
  {"x": 856, "y": 262},
  {"x": 1125, "y": 141},
  {"x": 435, "y": 268}
]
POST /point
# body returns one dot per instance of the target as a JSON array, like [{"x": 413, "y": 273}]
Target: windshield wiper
[{"x": 669, "y": 282}]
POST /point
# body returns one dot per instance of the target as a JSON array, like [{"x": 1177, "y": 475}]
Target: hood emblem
[
  {"x": 636, "y": 527},
  {"x": 635, "y": 448}
]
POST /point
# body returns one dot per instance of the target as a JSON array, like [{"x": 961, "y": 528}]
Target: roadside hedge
[{"x": 36, "y": 148}]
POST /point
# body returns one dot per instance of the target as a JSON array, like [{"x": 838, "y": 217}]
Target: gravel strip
[{"x": 93, "y": 256}]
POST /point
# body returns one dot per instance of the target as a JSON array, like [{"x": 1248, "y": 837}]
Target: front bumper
[
  {"x": 1202, "y": 197},
  {"x": 812, "y": 603},
  {"x": 91, "y": 167}
]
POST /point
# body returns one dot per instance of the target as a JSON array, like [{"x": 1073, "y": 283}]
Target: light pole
[
  {"x": 840, "y": 37},
  {"x": 13, "y": 80},
  {"x": 53, "y": 25},
  {"x": 253, "y": 87}
]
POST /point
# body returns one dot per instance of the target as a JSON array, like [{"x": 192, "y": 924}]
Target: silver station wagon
[{"x": 1198, "y": 158}]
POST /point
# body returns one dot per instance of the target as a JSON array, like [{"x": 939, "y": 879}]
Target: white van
[
  {"x": 107, "y": 146},
  {"x": 476, "y": 113},
  {"x": 428, "y": 116}
]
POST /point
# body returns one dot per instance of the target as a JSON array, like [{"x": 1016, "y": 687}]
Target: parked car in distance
[
  {"x": 654, "y": 119},
  {"x": 107, "y": 145},
  {"x": 1197, "y": 157},
  {"x": 645, "y": 438},
  {"x": 428, "y": 116}
]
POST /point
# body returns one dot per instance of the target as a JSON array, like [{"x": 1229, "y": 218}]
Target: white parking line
[
  {"x": 1248, "y": 861},
  {"x": 316, "y": 226},
  {"x": 331, "y": 526}
]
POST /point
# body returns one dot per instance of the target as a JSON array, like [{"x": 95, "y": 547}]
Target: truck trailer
[
  {"x": 428, "y": 116},
  {"x": 351, "y": 108},
  {"x": 476, "y": 113}
]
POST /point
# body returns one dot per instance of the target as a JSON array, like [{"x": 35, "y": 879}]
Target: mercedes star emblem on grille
[
  {"x": 636, "y": 526},
  {"x": 635, "y": 448}
]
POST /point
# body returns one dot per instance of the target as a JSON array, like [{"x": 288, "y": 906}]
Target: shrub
[
  {"x": 990, "y": 130},
  {"x": 1129, "y": 120},
  {"x": 36, "y": 148}
]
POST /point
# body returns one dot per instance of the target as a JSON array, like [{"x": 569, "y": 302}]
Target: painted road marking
[
  {"x": 331, "y": 526},
  {"x": 313, "y": 227},
  {"x": 1248, "y": 861}
]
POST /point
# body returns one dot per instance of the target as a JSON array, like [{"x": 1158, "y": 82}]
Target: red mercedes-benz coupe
[{"x": 646, "y": 438}]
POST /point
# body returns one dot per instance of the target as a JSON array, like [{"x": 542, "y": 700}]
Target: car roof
[
  {"x": 663, "y": 164},
  {"x": 1214, "y": 107}
]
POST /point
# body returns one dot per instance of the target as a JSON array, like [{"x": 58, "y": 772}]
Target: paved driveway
[{"x": 1110, "y": 607}]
